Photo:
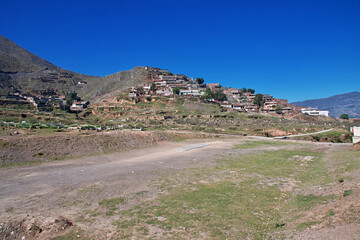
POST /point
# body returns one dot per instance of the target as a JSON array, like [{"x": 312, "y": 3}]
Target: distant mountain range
[
  {"x": 348, "y": 103},
  {"x": 20, "y": 70}
]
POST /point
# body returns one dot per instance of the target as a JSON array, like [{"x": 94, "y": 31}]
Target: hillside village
[{"x": 161, "y": 82}]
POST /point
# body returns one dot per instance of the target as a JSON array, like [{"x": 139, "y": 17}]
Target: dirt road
[
  {"x": 41, "y": 193},
  {"x": 36, "y": 189}
]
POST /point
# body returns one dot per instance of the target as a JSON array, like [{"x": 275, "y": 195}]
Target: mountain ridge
[
  {"x": 21, "y": 70},
  {"x": 348, "y": 103}
]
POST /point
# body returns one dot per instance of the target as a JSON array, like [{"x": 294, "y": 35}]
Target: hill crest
[{"x": 348, "y": 103}]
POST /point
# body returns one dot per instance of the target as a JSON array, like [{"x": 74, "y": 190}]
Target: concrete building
[
  {"x": 356, "y": 132},
  {"x": 314, "y": 112},
  {"x": 191, "y": 92}
]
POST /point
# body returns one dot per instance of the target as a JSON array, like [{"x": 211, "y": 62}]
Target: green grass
[
  {"x": 111, "y": 203},
  {"x": 305, "y": 225},
  {"x": 347, "y": 193},
  {"x": 347, "y": 160},
  {"x": 74, "y": 233},
  {"x": 256, "y": 144},
  {"x": 3, "y": 144},
  {"x": 306, "y": 202},
  {"x": 234, "y": 199},
  {"x": 28, "y": 163}
]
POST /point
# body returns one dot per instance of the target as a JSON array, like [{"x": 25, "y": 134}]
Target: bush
[{"x": 344, "y": 116}]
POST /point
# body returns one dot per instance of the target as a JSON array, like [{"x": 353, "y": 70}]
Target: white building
[
  {"x": 314, "y": 112},
  {"x": 356, "y": 132},
  {"x": 165, "y": 92},
  {"x": 191, "y": 92}
]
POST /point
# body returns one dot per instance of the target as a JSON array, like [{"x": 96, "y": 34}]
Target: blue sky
[{"x": 294, "y": 49}]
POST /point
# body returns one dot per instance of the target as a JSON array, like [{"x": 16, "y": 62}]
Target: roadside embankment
[{"x": 19, "y": 150}]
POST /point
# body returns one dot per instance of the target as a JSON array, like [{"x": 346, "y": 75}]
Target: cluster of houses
[
  {"x": 244, "y": 102},
  {"x": 46, "y": 100},
  {"x": 163, "y": 83}
]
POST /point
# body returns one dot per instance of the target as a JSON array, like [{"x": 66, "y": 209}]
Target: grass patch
[
  {"x": 3, "y": 144},
  {"x": 141, "y": 193},
  {"x": 306, "y": 202},
  {"x": 111, "y": 203},
  {"x": 74, "y": 233},
  {"x": 256, "y": 144},
  {"x": 347, "y": 160},
  {"x": 230, "y": 200},
  {"x": 305, "y": 225},
  {"x": 90, "y": 189},
  {"x": 347, "y": 193}
]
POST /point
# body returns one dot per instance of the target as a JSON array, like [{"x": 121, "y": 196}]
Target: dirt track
[
  {"x": 48, "y": 190},
  {"x": 40, "y": 195}
]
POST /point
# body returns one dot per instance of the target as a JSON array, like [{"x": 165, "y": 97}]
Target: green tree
[
  {"x": 244, "y": 90},
  {"x": 219, "y": 95},
  {"x": 250, "y": 90},
  {"x": 152, "y": 88},
  {"x": 259, "y": 100},
  {"x": 278, "y": 109},
  {"x": 200, "y": 80},
  {"x": 176, "y": 90},
  {"x": 208, "y": 94},
  {"x": 344, "y": 116},
  {"x": 70, "y": 97},
  {"x": 140, "y": 90}
]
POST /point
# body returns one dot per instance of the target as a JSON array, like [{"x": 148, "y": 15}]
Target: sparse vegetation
[
  {"x": 234, "y": 198},
  {"x": 111, "y": 203},
  {"x": 257, "y": 144},
  {"x": 347, "y": 193}
]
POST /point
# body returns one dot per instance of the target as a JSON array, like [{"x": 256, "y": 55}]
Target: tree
[
  {"x": 244, "y": 90},
  {"x": 152, "y": 88},
  {"x": 200, "y": 80},
  {"x": 344, "y": 116},
  {"x": 70, "y": 97},
  {"x": 259, "y": 100},
  {"x": 140, "y": 90},
  {"x": 208, "y": 94},
  {"x": 219, "y": 95},
  {"x": 251, "y": 90},
  {"x": 278, "y": 109},
  {"x": 176, "y": 90}
]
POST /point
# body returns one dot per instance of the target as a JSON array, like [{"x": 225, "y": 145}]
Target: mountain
[
  {"x": 20, "y": 59},
  {"x": 348, "y": 103},
  {"x": 20, "y": 70}
]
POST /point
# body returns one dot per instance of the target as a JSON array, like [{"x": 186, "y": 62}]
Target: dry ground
[{"x": 119, "y": 195}]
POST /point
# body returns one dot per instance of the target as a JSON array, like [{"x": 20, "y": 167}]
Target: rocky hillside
[
  {"x": 20, "y": 70},
  {"x": 108, "y": 86},
  {"x": 348, "y": 103}
]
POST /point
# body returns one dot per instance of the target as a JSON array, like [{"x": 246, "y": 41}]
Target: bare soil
[
  {"x": 21, "y": 149},
  {"x": 48, "y": 200}
]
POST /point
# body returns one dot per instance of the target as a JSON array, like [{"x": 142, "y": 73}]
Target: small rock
[{"x": 161, "y": 219}]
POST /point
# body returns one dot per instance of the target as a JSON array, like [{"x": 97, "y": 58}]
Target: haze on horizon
[{"x": 297, "y": 50}]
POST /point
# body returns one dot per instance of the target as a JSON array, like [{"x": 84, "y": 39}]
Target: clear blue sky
[{"x": 294, "y": 49}]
